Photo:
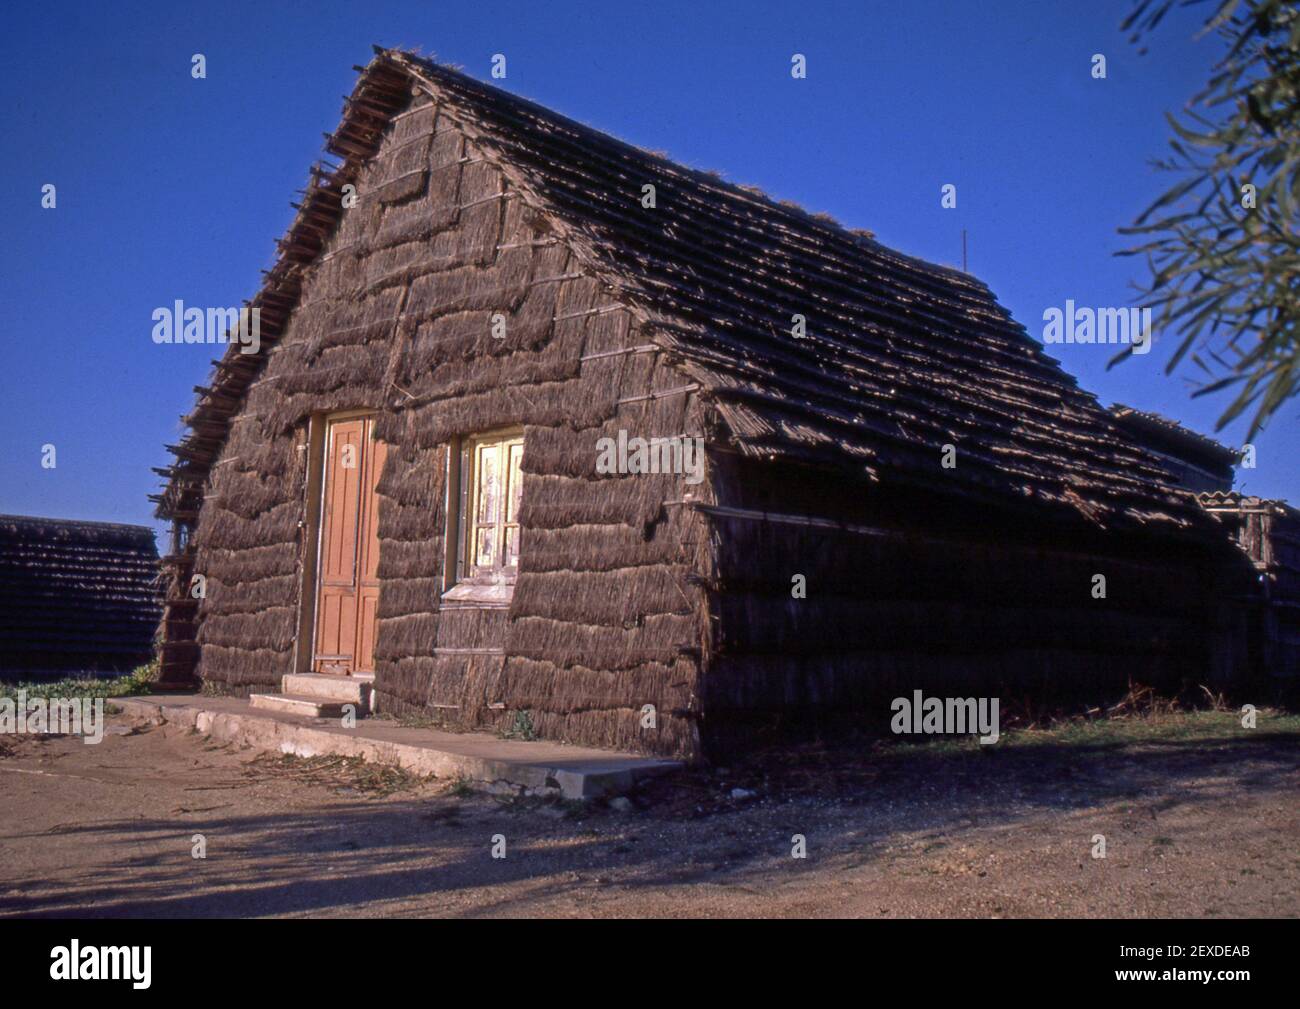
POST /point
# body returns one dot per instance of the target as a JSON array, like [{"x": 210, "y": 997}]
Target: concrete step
[
  {"x": 511, "y": 766},
  {"x": 299, "y": 704},
  {"x": 345, "y": 689}
]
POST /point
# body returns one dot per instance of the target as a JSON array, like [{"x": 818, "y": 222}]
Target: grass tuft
[{"x": 137, "y": 682}]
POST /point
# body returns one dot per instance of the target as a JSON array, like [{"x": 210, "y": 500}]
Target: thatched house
[
  {"x": 1257, "y": 619},
  {"x": 899, "y": 490},
  {"x": 76, "y": 598}
]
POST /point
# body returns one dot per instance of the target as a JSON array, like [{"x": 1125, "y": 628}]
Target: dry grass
[
  {"x": 866, "y": 767},
  {"x": 351, "y": 773}
]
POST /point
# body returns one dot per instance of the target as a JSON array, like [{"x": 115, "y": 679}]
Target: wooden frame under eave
[{"x": 452, "y": 539}]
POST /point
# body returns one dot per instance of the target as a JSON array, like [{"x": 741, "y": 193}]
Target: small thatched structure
[
  {"x": 503, "y": 270},
  {"x": 1265, "y": 619},
  {"x": 1197, "y": 462},
  {"x": 76, "y": 598}
]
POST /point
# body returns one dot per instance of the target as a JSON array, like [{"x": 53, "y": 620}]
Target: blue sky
[{"x": 170, "y": 187}]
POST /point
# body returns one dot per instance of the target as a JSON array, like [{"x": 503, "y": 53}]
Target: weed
[{"x": 521, "y": 727}]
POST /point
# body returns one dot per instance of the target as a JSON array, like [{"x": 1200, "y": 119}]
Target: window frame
[{"x": 462, "y": 499}]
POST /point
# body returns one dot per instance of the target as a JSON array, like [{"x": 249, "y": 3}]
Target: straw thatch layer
[
  {"x": 398, "y": 317},
  {"x": 907, "y": 595},
  {"x": 75, "y": 597}
]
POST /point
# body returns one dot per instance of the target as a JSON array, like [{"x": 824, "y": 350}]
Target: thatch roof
[
  {"x": 1168, "y": 435},
  {"x": 75, "y": 596},
  {"x": 900, "y": 358}
]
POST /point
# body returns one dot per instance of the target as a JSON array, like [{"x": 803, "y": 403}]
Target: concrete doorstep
[{"x": 509, "y": 765}]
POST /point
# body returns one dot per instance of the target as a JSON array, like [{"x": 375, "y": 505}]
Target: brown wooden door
[{"x": 348, "y": 592}]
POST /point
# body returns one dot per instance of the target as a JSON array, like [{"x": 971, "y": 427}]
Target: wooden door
[{"x": 347, "y": 596}]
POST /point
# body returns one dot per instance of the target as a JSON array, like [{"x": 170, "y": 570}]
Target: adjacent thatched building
[
  {"x": 1196, "y": 462},
  {"x": 1265, "y": 620},
  {"x": 899, "y": 490},
  {"x": 76, "y": 598}
]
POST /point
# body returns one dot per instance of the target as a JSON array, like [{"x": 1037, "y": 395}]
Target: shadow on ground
[{"x": 327, "y": 853}]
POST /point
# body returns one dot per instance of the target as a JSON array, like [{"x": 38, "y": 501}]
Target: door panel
[
  {"x": 342, "y": 500},
  {"x": 348, "y": 590},
  {"x": 368, "y": 560}
]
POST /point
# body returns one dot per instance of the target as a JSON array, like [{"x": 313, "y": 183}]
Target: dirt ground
[{"x": 1203, "y": 825}]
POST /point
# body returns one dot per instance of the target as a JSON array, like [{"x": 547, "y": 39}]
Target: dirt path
[{"x": 1193, "y": 828}]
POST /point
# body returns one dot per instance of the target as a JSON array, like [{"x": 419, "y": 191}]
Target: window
[{"x": 486, "y": 530}]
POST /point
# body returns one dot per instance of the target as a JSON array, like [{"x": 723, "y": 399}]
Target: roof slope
[
  {"x": 900, "y": 358},
  {"x": 1199, "y": 446},
  {"x": 75, "y": 596}
]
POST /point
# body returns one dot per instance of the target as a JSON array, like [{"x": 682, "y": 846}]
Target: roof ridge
[{"x": 816, "y": 220}]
